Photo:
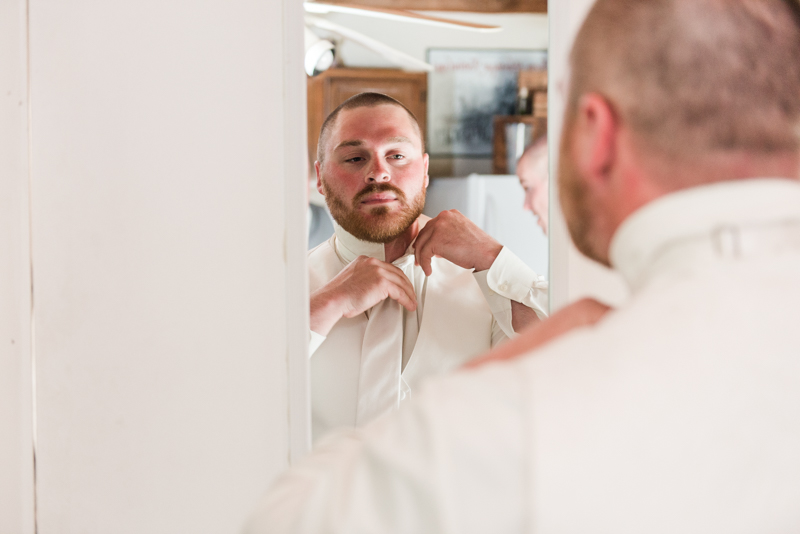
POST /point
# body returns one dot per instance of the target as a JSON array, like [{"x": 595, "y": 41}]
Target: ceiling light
[{"x": 319, "y": 54}]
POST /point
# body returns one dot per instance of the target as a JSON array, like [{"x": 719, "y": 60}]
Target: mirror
[{"x": 481, "y": 101}]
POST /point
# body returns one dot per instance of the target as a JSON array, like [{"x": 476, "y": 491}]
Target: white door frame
[
  {"x": 296, "y": 238},
  {"x": 572, "y": 275},
  {"x": 558, "y": 15},
  {"x": 16, "y": 372}
]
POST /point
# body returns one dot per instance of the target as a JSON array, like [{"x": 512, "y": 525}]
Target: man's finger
[
  {"x": 422, "y": 238},
  {"x": 396, "y": 278},
  {"x": 400, "y": 294},
  {"x": 423, "y": 251}
]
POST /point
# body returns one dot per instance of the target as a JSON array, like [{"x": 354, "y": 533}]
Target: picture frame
[{"x": 466, "y": 89}]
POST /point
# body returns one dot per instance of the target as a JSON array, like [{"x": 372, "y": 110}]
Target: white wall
[
  {"x": 573, "y": 276},
  {"x": 166, "y": 179},
  {"x": 16, "y": 417}
]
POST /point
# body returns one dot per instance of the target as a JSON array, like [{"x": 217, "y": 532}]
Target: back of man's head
[
  {"x": 695, "y": 77},
  {"x": 361, "y": 100}
]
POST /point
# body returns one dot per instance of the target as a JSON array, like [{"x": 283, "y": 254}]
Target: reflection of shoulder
[
  {"x": 323, "y": 264},
  {"x": 321, "y": 251}
]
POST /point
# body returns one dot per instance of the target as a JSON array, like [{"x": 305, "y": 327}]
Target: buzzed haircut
[
  {"x": 691, "y": 77},
  {"x": 361, "y": 100},
  {"x": 536, "y": 149}
]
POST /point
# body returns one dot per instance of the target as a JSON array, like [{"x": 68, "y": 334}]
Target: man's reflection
[
  {"x": 394, "y": 298},
  {"x": 533, "y": 170}
]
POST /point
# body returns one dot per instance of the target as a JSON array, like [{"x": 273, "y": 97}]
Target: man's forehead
[
  {"x": 385, "y": 122},
  {"x": 533, "y": 170}
]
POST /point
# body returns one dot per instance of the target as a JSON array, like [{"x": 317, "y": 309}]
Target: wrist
[
  {"x": 325, "y": 310},
  {"x": 486, "y": 259}
]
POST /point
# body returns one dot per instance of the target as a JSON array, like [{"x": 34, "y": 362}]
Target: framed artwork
[{"x": 466, "y": 89}]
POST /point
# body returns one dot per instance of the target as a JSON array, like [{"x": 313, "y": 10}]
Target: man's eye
[
  {"x": 397, "y": 156},
  {"x": 355, "y": 159}
]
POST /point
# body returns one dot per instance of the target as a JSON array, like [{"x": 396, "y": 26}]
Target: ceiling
[{"x": 479, "y": 6}]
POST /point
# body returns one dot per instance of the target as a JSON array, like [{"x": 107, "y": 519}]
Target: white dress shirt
[
  {"x": 471, "y": 313},
  {"x": 678, "y": 412}
]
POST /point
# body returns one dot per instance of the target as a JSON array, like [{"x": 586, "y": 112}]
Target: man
[
  {"x": 393, "y": 294},
  {"x": 534, "y": 177},
  {"x": 678, "y": 412}
]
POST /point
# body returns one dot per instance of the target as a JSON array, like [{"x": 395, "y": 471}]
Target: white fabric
[
  {"x": 356, "y": 373},
  {"x": 510, "y": 278},
  {"x": 379, "y": 381},
  {"x": 347, "y": 248},
  {"x": 679, "y": 412}
]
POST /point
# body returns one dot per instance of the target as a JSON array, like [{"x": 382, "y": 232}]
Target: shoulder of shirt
[
  {"x": 326, "y": 247},
  {"x": 323, "y": 264},
  {"x": 322, "y": 255}
]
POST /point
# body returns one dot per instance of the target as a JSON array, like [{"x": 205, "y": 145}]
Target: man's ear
[
  {"x": 317, "y": 167},
  {"x": 595, "y": 137},
  {"x": 425, "y": 160}
]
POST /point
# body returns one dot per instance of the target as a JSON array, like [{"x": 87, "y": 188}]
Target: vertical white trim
[
  {"x": 296, "y": 230},
  {"x": 558, "y": 13},
  {"x": 572, "y": 275},
  {"x": 17, "y": 493},
  {"x": 31, "y": 293}
]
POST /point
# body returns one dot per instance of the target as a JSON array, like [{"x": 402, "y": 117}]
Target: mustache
[{"x": 379, "y": 188}]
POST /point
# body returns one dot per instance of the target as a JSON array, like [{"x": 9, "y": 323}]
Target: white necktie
[
  {"x": 381, "y": 386},
  {"x": 380, "y": 383}
]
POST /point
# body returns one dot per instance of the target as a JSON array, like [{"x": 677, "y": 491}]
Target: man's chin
[
  {"x": 377, "y": 213},
  {"x": 377, "y": 228}
]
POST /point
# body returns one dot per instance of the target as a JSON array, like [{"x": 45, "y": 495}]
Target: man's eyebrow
[
  {"x": 352, "y": 142},
  {"x": 358, "y": 142}
]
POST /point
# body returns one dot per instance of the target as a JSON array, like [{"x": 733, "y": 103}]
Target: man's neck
[{"x": 397, "y": 248}]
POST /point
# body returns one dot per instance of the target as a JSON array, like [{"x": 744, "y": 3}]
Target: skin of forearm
[{"x": 521, "y": 316}]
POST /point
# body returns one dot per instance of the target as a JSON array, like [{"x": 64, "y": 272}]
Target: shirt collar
[
  {"x": 349, "y": 247},
  {"x": 696, "y": 212}
]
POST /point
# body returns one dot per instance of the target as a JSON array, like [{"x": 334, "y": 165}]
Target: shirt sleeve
[
  {"x": 314, "y": 341},
  {"x": 510, "y": 279},
  {"x": 426, "y": 468}
]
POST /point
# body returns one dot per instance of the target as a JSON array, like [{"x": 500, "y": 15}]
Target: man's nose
[
  {"x": 378, "y": 171},
  {"x": 527, "y": 204}
]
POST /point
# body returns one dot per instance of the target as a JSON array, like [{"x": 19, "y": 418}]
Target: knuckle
[{"x": 372, "y": 263}]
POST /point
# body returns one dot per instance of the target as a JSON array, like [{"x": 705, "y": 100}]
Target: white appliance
[{"x": 494, "y": 203}]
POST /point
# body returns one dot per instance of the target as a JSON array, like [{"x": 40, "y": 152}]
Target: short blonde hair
[{"x": 695, "y": 76}]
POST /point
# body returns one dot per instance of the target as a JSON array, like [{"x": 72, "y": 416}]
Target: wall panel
[{"x": 159, "y": 164}]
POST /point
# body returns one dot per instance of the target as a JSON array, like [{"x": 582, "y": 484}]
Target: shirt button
[{"x": 503, "y": 287}]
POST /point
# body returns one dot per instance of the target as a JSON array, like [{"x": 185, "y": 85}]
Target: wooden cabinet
[
  {"x": 535, "y": 81},
  {"x": 500, "y": 144},
  {"x": 329, "y": 89}
]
